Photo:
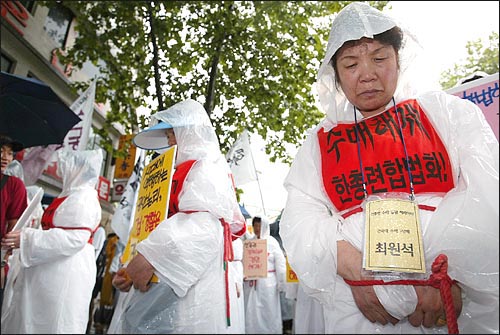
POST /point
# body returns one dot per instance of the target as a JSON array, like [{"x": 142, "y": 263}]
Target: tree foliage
[
  {"x": 252, "y": 63},
  {"x": 481, "y": 58}
]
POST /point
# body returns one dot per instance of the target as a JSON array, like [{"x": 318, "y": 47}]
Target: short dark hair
[
  {"x": 393, "y": 37},
  {"x": 15, "y": 145}
]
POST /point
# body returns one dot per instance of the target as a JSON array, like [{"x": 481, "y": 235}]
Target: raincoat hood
[
  {"x": 353, "y": 22},
  {"x": 15, "y": 169},
  {"x": 193, "y": 130},
  {"x": 265, "y": 230},
  {"x": 78, "y": 169},
  {"x": 196, "y": 140}
]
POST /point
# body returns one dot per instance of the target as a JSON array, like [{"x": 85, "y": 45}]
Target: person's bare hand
[
  {"x": 349, "y": 264},
  {"x": 430, "y": 306},
  {"x": 121, "y": 280},
  {"x": 140, "y": 272},
  {"x": 11, "y": 240},
  {"x": 367, "y": 301}
]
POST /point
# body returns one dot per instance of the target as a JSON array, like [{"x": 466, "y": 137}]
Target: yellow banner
[
  {"x": 291, "y": 276},
  {"x": 152, "y": 201},
  {"x": 125, "y": 166}
]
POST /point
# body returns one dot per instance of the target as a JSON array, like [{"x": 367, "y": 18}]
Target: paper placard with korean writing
[
  {"x": 152, "y": 201},
  {"x": 393, "y": 239},
  {"x": 255, "y": 259}
]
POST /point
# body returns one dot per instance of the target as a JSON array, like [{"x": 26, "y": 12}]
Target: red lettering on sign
[{"x": 17, "y": 10}]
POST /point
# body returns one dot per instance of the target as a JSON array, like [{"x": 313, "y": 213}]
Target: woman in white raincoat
[
  {"x": 53, "y": 287},
  {"x": 363, "y": 141},
  {"x": 187, "y": 250},
  {"x": 262, "y": 298}
]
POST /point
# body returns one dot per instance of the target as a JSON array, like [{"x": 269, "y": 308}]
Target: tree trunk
[
  {"x": 159, "y": 93},
  {"x": 213, "y": 69}
]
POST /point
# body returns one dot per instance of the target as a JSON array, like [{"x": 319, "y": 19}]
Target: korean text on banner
[
  {"x": 40, "y": 160},
  {"x": 240, "y": 160},
  {"x": 78, "y": 136},
  {"x": 485, "y": 94},
  {"x": 255, "y": 259},
  {"x": 103, "y": 188},
  {"x": 152, "y": 202}
]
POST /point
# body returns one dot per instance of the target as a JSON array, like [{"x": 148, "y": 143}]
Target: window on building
[
  {"x": 7, "y": 64},
  {"x": 28, "y": 4},
  {"x": 57, "y": 24}
]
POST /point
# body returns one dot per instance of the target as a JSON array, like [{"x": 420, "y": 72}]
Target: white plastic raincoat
[
  {"x": 464, "y": 225},
  {"x": 262, "y": 298},
  {"x": 187, "y": 248},
  {"x": 309, "y": 317},
  {"x": 52, "y": 290},
  {"x": 236, "y": 293}
]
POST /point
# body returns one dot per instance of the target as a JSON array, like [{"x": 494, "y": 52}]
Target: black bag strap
[{"x": 4, "y": 180}]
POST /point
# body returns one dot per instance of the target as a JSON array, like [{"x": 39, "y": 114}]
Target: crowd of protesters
[{"x": 369, "y": 170}]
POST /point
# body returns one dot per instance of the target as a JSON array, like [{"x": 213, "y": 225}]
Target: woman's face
[
  {"x": 368, "y": 74},
  {"x": 170, "y": 137},
  {"x": 256, "y": 228}
]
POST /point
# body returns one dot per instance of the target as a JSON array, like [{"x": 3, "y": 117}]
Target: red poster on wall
[{"x": 103, "y": 188}]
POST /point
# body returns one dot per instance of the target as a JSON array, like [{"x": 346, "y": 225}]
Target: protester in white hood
[
  {"x": 53, "y": 287},
  {"x": 189, "y": 250},
  {"x": 262, "y": 295},
  {"x": 437, "y": 149}
]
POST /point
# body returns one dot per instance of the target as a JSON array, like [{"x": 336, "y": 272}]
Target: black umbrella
[{"x": 31, "y": 112}]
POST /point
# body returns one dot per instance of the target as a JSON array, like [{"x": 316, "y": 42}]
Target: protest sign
[
  {"x": 152, "y": 201},
  {"x": 255, "y": 259},
  {"x": 484, "y": 93}
]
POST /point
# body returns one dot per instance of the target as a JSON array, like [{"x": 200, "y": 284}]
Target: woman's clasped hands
[{"x": 138, "y": 272}]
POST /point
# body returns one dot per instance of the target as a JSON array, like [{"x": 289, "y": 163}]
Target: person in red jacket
[
  {"x": 13, "y": 196},
  {"x": 13, "y": 191}
]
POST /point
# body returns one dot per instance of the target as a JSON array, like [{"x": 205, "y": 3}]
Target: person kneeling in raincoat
[{"x": 189, "y": 250}]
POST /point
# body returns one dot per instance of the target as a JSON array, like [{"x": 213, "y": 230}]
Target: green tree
[
  {"x": 481, "y": 58},
  {"x": 252, "y": 63}
]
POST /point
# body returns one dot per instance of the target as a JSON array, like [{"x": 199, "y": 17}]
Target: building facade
[{"x": 30, "y": 36}]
